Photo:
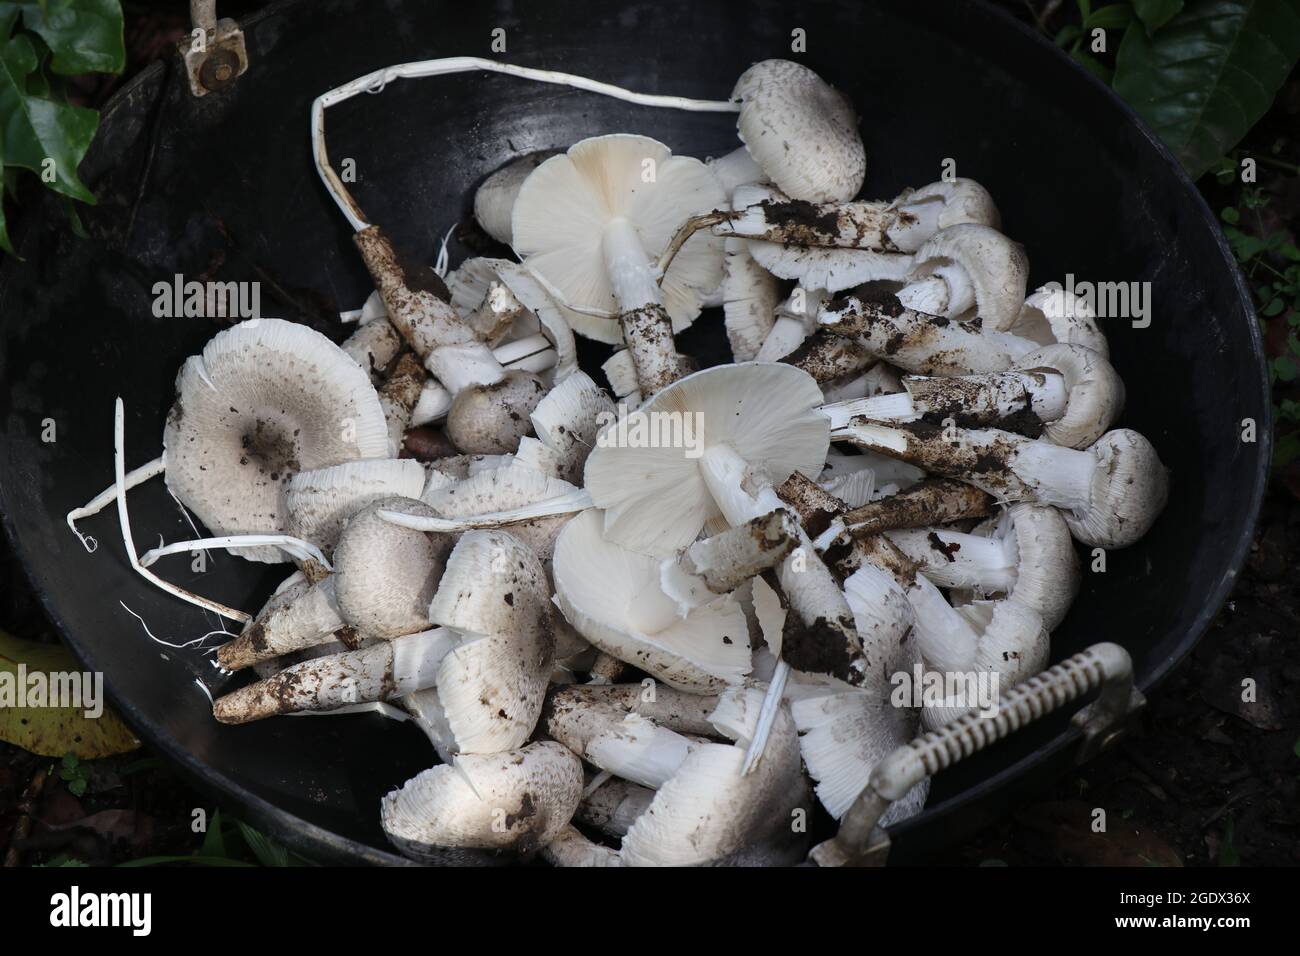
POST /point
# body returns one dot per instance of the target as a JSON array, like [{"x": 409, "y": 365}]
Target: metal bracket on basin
[
  {"x": 862, "y": 842},
  {"x": 214, "y": 52}
]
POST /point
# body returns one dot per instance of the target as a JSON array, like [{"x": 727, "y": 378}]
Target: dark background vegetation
[{"x": 1203, "y": 779}]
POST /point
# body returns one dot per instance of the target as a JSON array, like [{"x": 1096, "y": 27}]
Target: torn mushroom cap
[
  {"x": 504, "y": 489},
  {"x": 612, "y": 597},
  {"x": 950, "y": 203},
  {"x": 321, "y": 500},
  {"x": 384, "y": 574},
  {"x": 709, "y": 813},
  {"x": 564, "y": 207},
  {"x": 472, "y": 282},
  {"x": 654, "y": 492},
  {"x": 568, "y": 419},
  {"x": 1094, "y": 392},
  {"x": 265, "y": 400},
  {"x": 1011, "y": 642},
  {"x": 845, "y": 731},
  {"x": 980, "y": 266},
  {"x": 491, "y": 686},
  {"x": 801, "y": 131},
  {"x": 750, "y": 296},
  {"x": 494, "y": 200},
  {"x": 1052, "y": 314},
  {"x": 513, "y": 802}
]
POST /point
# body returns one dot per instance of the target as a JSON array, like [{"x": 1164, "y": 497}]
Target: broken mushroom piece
[
  {"x": 486, "y": 806},
  {"x": 1027, "y": 555},
  {"x": 749, "y": 299},
  {"x": 1110, "y": 494},
  {"x": 263, "y": 401},
  {"x": 613, "y": 598},
  {"x": 964, "y": 267},
  {"x": 494, "y": 200},
  {"x": 1053, "y": 314},
  {"x": 587, "y": 223},
  {"x": 719, "y": 565},
  {"x": 568, "y": 420}
]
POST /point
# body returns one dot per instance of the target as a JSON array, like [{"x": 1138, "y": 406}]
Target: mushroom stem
[
  {"x": 459, "y": 366},
  {"x": 952, "y": 559},
  {"x": 381, "y": 671},
  {"x": 1110, "y": 494},
  {"x": 919, "y": 342},
  {"x": 398, "y": 397},
  {"x": 1004, "y": 399},
  {"x": 532, "y": 353},
  {"x": 787, "y": 334},
  {"x": 640, "y": 750},
  {"x": 828, "y": 357},
  {"x": 935, "y": 501},
  {"x": 614, "y": 806},
  {"x": 605, "y": 670},
  {"x": 305, "y": 621},
  {"x": 646, "y": 326},
  {"x": 95, "y": 505},
  {"x": 722, "y": 563},
  {"x": 572, "y": 849}
]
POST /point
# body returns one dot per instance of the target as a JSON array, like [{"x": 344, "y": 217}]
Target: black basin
[{"x": 224, "y": 187}]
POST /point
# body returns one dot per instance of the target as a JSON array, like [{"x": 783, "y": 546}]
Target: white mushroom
[
  {"x": 265, "y": 400},
  {"x": 968, "y": 266},
  {"x": 494, "y": 200}
]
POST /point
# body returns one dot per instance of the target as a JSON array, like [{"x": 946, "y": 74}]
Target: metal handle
[
  {"x": 862, "y": 842},
  {"x": 214, "y": 53}
]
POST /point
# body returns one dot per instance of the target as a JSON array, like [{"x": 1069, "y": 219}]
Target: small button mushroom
[
  {"x": 488, "y": 418},
  {"x": 487, "y": 806},
  {"x": 1110, "y": 493},
  {"x": 568, "y": 419},
  {"x": 494, "y": 200},
  {"x": 265, "y": 400},
  {"x": 1027, "y": 555},
  {"x": 612, "y": 597},
  {"x": 587, "y": 222}
]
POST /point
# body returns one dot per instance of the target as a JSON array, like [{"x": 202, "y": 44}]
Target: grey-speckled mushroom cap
[
  {"x": 801, "y": 130},
  {"x": 997, "y": 267},
  {"x": 385, "y": 575},
  {"x": 1129, "y": 489},
  {"x": 265, "y": 400}
]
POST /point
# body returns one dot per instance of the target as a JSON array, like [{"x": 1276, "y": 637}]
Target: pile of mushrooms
[{"x": 662, "y": 622}]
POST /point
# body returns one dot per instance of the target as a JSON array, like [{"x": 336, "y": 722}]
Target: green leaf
[
  {"x": 1272, "y": 307},
  {"x": 1210, "y": 73},
  {"x": 1156, "y": 13},
  {"x": 1069, "y": 33},
  {"x": 85, "y": 36},
  {"x": 1286, "y": 450},
  {"x": 267, "y": 851},
  {"x": 34, "y": 129},
  {"x": 214, "y": 841},
  {"x": 1285, "y": 369},
  {"x": 55, "y": 731},
  {"x": 1116, "y": 16},
  {"x": 1230, "y": 215},
  {"x": 1090, "y": 63}
]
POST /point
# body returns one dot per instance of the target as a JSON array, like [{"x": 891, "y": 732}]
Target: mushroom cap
[
  {"x": 962, "y": 200},
  {"x": 801, "y": 131},
  {"x": 709, "y": 813},
  {"x": 750, "y": 296},
  {"x": 1052, "y": 314},
  {"x": 494, "y": 200},
  {"x": 656, "y": 499},
  {"x": 564, "y": 206},
  {"x": 1048, "y": 574},
  {"x": 1094, "y": 392},
  {"x": 612, "y": 597},
  {"x": 1129, "y": 490},
  {"x": 490, "y": 419},
  {"x": 997, "y": 267},
  {"x": 320, "y": 501},
  {"x": 504, "y": 489},
  {"x": 524, "y": 799},
  {"x": 265, "y": 400},
  {"x": 568, "y": 419},
  {"x": 384, "y": 574},
  {"x": 491, "y": 686}
]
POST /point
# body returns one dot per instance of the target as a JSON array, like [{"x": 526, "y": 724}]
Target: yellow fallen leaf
[{"x": 34, "y": 676}]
